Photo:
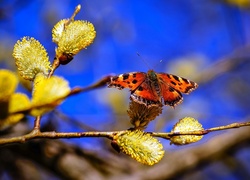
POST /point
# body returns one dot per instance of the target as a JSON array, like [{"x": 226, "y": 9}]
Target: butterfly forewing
[
  {"x": 178, "y": 83},
  {"x": 128, "y": 80}
]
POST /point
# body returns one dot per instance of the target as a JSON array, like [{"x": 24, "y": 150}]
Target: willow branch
[
  {"x": 37, "y": 123},
  {"x": 35, "y": 134},
  {"x": 55, "y": 65},
  {"x": 77, "y": 10},
  {"x": 199, "y": 132}
]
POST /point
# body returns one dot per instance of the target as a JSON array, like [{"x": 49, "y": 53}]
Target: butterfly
[{"x": 154, "y": 89}]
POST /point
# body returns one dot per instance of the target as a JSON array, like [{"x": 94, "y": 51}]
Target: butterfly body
[{"x": 153, "y": 88}]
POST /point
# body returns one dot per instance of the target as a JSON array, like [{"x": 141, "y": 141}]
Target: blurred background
[{"x": 206, "y": 41}]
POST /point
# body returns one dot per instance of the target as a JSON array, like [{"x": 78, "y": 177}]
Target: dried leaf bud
[
  {"x": 72, "y": 38},
  {"x": 140, "y": 115},
  {"x": 31, "y": 58},
  {"x": 48, "y": 93},
  {"x": 140, "y": 146},
  {"x": 185, "y": 125}
]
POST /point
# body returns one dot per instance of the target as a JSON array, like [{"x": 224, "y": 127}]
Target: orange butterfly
[{"x": 154, "y": 89}]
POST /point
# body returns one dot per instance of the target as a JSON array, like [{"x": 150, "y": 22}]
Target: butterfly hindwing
[
  {"x": 145, "y": 94},
  {"x": 171, "y": 96}
]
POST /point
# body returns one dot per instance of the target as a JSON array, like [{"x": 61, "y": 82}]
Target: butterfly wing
[
  {"x": 139, "y": 85},
  {"x": 171, "y": 96},
  {"x": 178, "y": 83},
  {"x": 172, "y": 86},
  {"x": 128, "y": 80},
  {"x": 146, "y": 94},
  {"x": 143, "y": 90}
]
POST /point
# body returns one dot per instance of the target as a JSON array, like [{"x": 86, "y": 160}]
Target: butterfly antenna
[{"x": 145, "y": 62}]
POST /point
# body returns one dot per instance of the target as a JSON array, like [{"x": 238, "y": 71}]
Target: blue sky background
[{"x": 190, "y": 37}]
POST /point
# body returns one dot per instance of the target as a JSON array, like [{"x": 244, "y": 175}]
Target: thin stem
[
  {"x": 56, "y": 135},
  {"x": 35, "y": 134},
  {"x": 37, "y": 123},
  {"x": 199, "y": 132},
  {"x": 230, "y": 126},
  {"x": 55, "y": 65},
  {"x": 77, "y": 9}
]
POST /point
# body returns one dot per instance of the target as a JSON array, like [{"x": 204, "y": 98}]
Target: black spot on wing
[
  {"x": 176, "y": 78},
  {"x": 134, "y": 81},
  {"x": 172, "y": 82},
  {"x": 125, "y": 76},
  {"x": 140, "y": 88},
  {"x": 186, "y": 81},
  {"x": 171, "y": 89}
]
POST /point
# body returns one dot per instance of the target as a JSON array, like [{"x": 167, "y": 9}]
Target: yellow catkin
[
  {"x": 57, "y": 30},
  {"x": 8, "y": 84},
  {"x": 140, "y": 146},
  {"x": 17, "y": 102},
  {"x": 48, "y": 93},
  {"x": 185, "y": 125},
  {"x": 31, "y": 58},
  {"x": 75, "y": 37}
]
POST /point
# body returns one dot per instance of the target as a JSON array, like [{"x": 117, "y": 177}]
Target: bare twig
[
  {"x": 55, "y": 65},
  {"x": 37, "y": 123},
  {"x": 77, "y": 9},
  {"x": 200, "y": 132},
  {"x": 35, "y": 134}
]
